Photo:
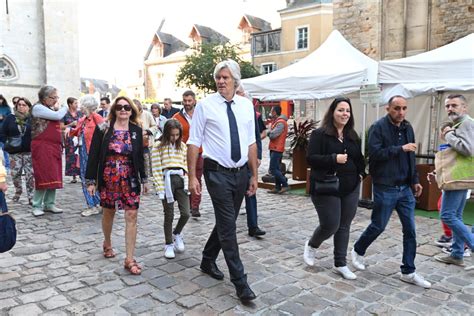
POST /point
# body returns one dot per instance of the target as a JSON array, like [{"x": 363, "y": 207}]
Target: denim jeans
[
  {"x": 452, "y": 207},
  {"x": 280, "y": 179},
  {"x": 387, "y": 198},
  {"x": 251, "y": 210}
]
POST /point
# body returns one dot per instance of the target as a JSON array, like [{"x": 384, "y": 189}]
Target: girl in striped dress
[{"x": 171, "y": 181}]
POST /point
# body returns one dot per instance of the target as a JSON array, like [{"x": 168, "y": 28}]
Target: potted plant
[{"x": 299, "y": 138}]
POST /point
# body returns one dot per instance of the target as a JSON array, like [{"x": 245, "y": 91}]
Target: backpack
[{"x": 7, "y": 227}]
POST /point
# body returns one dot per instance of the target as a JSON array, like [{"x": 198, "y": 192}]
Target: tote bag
[{"x": 454, "y": 171}]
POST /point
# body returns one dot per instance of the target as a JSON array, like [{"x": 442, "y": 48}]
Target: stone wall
[
  {"x": 40, "y": 37},
  {"x": 379, "y": 29}
]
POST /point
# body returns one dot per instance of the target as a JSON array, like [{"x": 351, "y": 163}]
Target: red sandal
[
  {"x": 108, "y": 251},
  {"x": 132, "y": 266}
]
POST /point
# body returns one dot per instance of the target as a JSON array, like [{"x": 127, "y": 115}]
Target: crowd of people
[{"x": 123, "y": 151}]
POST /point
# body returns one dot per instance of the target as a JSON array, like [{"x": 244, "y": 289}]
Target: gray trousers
[
  {"x": 180, "y": 196},
  {"x": 335, "y": 218}
]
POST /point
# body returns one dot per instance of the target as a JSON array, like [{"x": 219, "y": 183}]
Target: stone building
[
  {"x": 398, "y": 28},
  {"x": 38, "y": 46}
]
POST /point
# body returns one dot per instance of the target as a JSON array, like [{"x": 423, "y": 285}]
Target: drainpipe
[
  {"x": 428, "y": 26},
  {"x": 405, "y": 4}
]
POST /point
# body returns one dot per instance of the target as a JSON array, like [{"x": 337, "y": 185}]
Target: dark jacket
[
  {"x": 10, "y": 129},
  {"x": 321, "y": 157},
  {"x": 99, "y": 148},
  {"x": 5, "y": 110},
  {"x": 383, "y": 150},
  {"x": 169, "y": 114}
]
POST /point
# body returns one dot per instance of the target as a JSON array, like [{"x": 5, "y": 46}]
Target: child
[{"x": 170, "y": 175}]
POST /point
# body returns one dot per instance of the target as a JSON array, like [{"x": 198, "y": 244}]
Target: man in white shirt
[{"x": 224, "y": 125}]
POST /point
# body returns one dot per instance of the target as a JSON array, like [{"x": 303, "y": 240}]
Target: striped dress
[{"x": 167, "y": 157}]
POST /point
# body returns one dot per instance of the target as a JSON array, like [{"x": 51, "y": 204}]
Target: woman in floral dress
[
  {"x": 116, "y": 167},
  {"x": 70, "y": 143}
]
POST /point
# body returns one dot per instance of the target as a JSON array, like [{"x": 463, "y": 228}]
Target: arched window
[{"x": 7, "y": 69}]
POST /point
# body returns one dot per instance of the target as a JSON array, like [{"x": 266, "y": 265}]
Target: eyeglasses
[
  {"x": 454, "y": 106},
  {"x": 125, "y": 107}
]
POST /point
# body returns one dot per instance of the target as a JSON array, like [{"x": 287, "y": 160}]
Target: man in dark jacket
[{"x": 395, "y": 181}]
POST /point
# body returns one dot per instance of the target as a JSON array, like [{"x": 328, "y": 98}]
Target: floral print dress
[
  {"x": 122, "y": 189},
  {"x": 72, "y": 165}
]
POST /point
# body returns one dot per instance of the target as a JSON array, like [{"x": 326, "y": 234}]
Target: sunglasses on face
[{"x": 125, "y": 107}]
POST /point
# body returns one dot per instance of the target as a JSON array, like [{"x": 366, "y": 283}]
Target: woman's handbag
[
  {"x": 453, "y": 170},
  {"x": 7, "y": 227},
  {"x": 328, "y": 186},
  {"x": 13, "y": 144}
]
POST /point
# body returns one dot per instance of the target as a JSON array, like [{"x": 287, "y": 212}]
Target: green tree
[{"x": 199, "y": 66}]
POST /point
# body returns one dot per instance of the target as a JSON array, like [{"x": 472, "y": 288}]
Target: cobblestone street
[{"x": 57, "y": 267}]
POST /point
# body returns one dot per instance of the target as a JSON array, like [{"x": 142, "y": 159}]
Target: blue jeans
[
  {"x": 386, "y": 199},
  {"x": 280, "y": 179},
  {"x": 452, "y": 207}
]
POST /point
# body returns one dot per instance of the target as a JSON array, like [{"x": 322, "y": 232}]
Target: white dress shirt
[{"x": 210, "y": 128}]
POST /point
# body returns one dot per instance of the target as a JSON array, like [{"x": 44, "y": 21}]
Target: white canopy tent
[
  {"x": 335, "y": 68},
  {"x": 448, "y": 68}
]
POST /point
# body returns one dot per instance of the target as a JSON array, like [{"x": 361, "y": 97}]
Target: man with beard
[{"x": 459, "y": 136}]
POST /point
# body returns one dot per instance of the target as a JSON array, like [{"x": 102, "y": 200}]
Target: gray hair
[
  {"x": 89, "y": 103},
  {"x": 241, "y": 89},
  {"x": 45, "y": 91},
  {"x": 233, "y": 67}
]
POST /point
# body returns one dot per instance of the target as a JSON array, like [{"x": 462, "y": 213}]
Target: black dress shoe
[
  {"x": 211, "y": 268},
  {"x": 244, "y": 293},
  {"x": 254, "y": 232}
]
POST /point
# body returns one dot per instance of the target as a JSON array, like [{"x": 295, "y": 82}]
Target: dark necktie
[{"x": 234, "y": 134}]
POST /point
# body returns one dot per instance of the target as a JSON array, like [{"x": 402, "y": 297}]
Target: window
[
  {"x": 267, "y": 68},
  {"x": 266, "y": 43},
  {"x": 7, "y": 70},
  {"x": 302, "y": 38}
]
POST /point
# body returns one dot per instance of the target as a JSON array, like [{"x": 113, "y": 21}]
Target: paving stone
[
  {"x": 263, "y": 287},
  {"x": 295, "y": 309},
  {"x": 379, "y": 309},
  {"x": 110, "y": 286},
  {"x": 80, "y": 308},
  {"x": 8, "y": 276},
  {"x": 38, "y": 295},
  {"x": 222, "y": 303},
  {"x": 289, "y": 290},
  {"x": 172, "y": 267},
  {"x": 163, "y": 282},
  {"x": 7, "y": 303},
  {"x": 55, "y": 302},
  {"x": 82, "y": 294},
  {"x": 133, "y": 292},
  {"x": 166, "y": 296},
  {"x": 309, "y": 301},
  {"x": 185, "y": 288},
  {"x": 459, "y": 281},
  {"x": 114, "y": 310},
  {"x": 107, "y": 300},
  {"x": 7, "y": 285},
  {"x": 139, "y": 305},
  {"x": 27, "y": 309},
  {"x": 34, "y": 287},
  {"x": 201, "y": 310},
  {"x": 206, "y": 281},
  {"x": 33, "y": 278},
  {"x": 368, "y": 296},
  {"x": 190, "y": 301},
  {"x": 466, "y": 298},
  {"x": 66, "y": 287}
]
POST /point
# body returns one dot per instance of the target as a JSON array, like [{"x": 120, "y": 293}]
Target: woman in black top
[{"x": 335, "y": 148}]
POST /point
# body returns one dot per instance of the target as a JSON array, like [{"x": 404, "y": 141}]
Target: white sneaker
[
  {"x": 178, "y": 242},
  {"x": 90, "y": 211},
  {"x": 169, "y": 251},
  {"x": 416, "y": 279},
  {"x": 37, "y": 212},
  {"x": 309, "y": 254},
  {"x": 345, "y": 272},
  {"x": 54, "y": 210},
  {"x": 357, "y": 260}
]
